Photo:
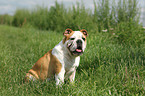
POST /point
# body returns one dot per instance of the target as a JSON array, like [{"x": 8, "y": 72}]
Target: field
[
  {"x": 112, "y": 64},
  {"x": 106, "y": 67}
]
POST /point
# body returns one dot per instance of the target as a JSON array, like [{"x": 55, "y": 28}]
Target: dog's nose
[{"x": 79, "y": 42}]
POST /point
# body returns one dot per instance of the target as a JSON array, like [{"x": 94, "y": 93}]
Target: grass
[
  {"x": 106, "y": 15},
  {"x": 119, "y": 17},
  {"x": 106, "y": 68},
  {"x": 113, "y": 62}
]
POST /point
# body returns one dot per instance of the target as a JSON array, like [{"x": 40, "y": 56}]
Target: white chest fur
[{"x": 68, "y": 62}]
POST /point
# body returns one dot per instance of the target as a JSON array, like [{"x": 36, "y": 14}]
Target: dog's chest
[
  {"x": 70, "y": 63},
  {"x": 67, "y": 61}
]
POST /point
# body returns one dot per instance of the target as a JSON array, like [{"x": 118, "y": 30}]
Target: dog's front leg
[
  {"x": 59, "y": 78},
  {"x": 72, "y": 76}
]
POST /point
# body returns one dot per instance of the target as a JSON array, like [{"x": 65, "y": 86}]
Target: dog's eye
[
  {"x": 72, "y": 38},
  {"x": 84, "y": 38}
]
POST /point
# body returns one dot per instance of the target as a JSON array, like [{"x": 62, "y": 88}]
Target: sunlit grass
[{"x": 106, "y": 68}]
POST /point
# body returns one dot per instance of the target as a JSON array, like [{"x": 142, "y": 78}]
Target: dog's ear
[
  {"x": 67, "y": 32},
  {"x": 84, "y": 32}
]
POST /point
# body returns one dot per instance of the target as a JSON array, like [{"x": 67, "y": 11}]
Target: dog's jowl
[{"x": 61, "y": 61}]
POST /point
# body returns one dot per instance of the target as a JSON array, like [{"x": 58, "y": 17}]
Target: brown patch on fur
[
  {"x": 67, "y": 37},
  {"x": 67, "y": 32},
  {"x": 45, "y": 67},
  {"x": 84, "y": 32}
]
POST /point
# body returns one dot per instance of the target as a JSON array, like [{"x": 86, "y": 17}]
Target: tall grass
[
  {"x": 21, "y": 17},
  {"x": 106, "y": 67},
  {"x": 6, "y": 19},
  {"x": 116, "y": 17},
  {"x": 107, "y": 14}
]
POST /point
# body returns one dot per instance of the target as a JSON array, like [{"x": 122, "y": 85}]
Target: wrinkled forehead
[{"x": 77, "y": 34}]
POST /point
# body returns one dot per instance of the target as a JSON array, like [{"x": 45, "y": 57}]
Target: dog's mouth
[{"x": 78, "y": 51}]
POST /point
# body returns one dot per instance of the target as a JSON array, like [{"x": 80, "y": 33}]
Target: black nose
[{"x": 79, "y": 42}]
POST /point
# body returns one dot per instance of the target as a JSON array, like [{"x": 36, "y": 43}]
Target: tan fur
[
  {"x": 49, "y": 65},
  {"x": 68, "y": 36},
  {"x": 45, "y": 67}
]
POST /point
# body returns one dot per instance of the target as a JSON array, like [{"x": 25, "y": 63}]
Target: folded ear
[
  {"x": 84, "y": 32},
  {"x": 67, "y": 32}
]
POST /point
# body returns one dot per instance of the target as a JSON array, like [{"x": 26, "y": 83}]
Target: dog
[{"x": 62, "y": 61}]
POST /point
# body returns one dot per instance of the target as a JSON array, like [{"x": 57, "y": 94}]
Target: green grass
[
  {"x": 106, "y": 68},
  {"x": 106, "y": 15},
  {"x": 119, "y": 17}
]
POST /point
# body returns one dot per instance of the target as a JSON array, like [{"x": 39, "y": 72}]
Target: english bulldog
[{"x": 61, "y": 61}]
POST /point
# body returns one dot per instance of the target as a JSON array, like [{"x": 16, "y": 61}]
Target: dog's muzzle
[{"x": 78, "y": 48}]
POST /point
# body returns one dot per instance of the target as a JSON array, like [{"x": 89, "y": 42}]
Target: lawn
[{"x": 106, "y": 67}]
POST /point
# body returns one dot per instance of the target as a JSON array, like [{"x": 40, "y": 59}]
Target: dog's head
[{"x": 75, "y": 41}]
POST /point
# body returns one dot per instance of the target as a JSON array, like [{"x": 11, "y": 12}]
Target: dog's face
[{"x": 75, "y": 41}]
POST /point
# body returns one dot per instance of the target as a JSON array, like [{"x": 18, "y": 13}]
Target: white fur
[
  {"x": 77, "y": 35},
  {"x": 68, "y": 61}
]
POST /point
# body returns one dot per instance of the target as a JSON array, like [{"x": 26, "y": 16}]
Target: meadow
[
  {"x": 112, "y": 64},
  {"x": 106, "y": 68}
]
